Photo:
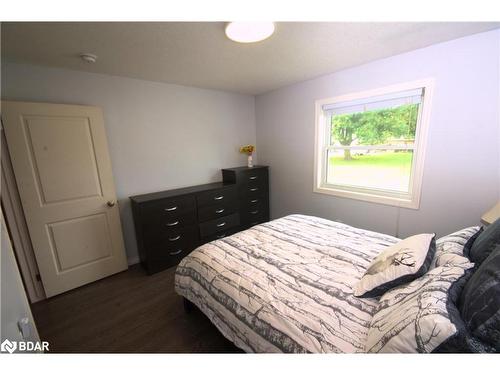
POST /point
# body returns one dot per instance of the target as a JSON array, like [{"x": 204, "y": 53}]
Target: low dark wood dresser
[{"x": 170, "y": 224}]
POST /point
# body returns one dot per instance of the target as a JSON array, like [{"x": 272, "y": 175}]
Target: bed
[
  {"x": 287, "y": 285},
  {"x": 288, "y": 280}
]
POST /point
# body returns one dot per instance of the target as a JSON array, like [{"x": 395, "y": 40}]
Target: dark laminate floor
[{"x": 127, "y": 312}]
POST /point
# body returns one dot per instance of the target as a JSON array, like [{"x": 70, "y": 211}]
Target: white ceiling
[{"x": 198, "y": 53}]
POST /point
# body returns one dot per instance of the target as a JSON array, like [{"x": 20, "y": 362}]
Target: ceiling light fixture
[
  {"x": 249, "y": 32},
  {"x": 88, "y": 57}
]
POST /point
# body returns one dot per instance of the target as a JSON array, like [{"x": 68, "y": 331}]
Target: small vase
[{"x": 250, "y": 161}]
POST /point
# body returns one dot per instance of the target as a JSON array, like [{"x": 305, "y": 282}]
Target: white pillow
[
  {"x": 397, "y": 264},
  {"x": 453, "y": 248}
]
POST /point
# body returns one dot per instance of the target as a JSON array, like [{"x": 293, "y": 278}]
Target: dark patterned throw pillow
[
  {"x": 480, "y": 301},
  {"x": 485, "y": 243}
]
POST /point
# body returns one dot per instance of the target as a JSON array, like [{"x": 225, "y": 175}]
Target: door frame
[{"x": 17, "y": 227}]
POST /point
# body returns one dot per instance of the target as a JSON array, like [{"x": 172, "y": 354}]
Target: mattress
[{"x": 286, "y": 285}]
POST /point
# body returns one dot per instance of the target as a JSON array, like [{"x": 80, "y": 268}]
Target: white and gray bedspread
[{"x": 286, "y": 285}]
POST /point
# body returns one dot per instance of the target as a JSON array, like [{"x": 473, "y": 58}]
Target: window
[{"x": 371, "y": 145}]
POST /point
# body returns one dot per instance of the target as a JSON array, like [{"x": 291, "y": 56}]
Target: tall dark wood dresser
[
  {"x": 253, "y": 193},
  {"x": 170, "y": 224}
]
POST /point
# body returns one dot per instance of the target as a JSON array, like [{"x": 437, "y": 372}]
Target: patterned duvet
[{"x": 286, "y": 285}]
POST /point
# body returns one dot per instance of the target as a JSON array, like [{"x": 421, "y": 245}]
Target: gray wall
[
  {"x": 462, "y": 168},
  {"x": 160, "y": 136}
]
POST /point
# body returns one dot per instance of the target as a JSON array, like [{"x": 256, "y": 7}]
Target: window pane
[
  {"x": 370, "y": 169},
  {"x": 389, "y": 126}
]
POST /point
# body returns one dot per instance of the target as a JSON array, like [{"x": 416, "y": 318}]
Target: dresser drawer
[
  {"x": 252, "y": 191},
  {"x": 222, "y": 234},
  {"x": 218, "y": 196},
  {"x": 253, "y": 201},
  {"x": 254, "y": 212},
  {"x": 255, "y": 176},
  {"x": 171, "y": 237},
  {"x": 168, "y": 250},
  {"x": 254, "y": 207},
  {"x": 160, "y": 257},
  {"x": 254, "y": 186},
  {"x": 252, "y": 218},
  {"x": 171, "y": 249},
  {"x": 217, "y": 210},
  {"x": 219, "y": 225},
  {"x": 170, "y": 209},
  {"x": 159, "y": 227}
]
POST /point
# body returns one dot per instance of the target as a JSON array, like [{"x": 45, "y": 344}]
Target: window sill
[{"x": 369, "y": 197}]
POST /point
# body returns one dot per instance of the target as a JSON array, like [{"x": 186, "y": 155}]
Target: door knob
[{"x": 111, "y": 203}]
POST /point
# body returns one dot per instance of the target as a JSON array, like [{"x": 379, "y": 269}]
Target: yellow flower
[{"x": 248, "y": 149}]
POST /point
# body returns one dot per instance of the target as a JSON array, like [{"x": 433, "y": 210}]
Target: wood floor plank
[{"x": 129, "y": 312}]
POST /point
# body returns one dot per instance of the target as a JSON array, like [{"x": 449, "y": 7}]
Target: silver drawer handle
[
  {"x": 253, "y": 178},
  {"x": 221, "y": 224},
  {"x": 219, "y": 211},
  {"x": 174, "y": 238},
  {"x": 254, "y": 212},
  {"x": 172, "y": 224},
  {"x": 176, "y": 252},
  {"x": 254, "y": 189},
  {"x": 254, "y": 201},
  {"x": 255, "y": 223},
  {"x": 171, "y": 208},
  {"x": 221, "y": 236},
  {"x": 218, "y": 198}
]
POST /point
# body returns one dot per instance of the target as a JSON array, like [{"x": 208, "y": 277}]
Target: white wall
[
  {"x": 165, "y": 136},
  {"x": 14, "y": 304},
  {"x": 462, "y": 168},
  {"x": 160, "y": 136}
]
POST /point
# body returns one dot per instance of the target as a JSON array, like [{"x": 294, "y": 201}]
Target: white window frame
[{"x": 410, "y": 200}]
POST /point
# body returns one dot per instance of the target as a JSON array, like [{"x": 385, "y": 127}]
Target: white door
[{"x": 63, "y": 172}]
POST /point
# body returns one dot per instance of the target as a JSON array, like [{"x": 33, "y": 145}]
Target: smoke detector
[{"x": 88, "y": 57}]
